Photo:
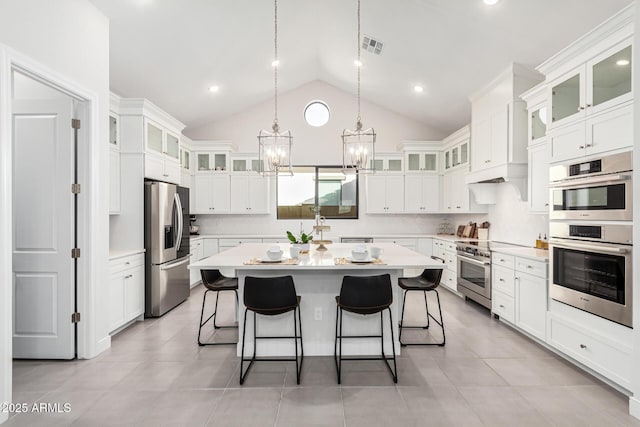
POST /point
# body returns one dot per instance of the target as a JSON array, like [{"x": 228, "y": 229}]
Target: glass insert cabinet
[{"x": 600, "y": 83}]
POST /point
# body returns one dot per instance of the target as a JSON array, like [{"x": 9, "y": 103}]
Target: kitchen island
[{"x": 317, "y": 278}]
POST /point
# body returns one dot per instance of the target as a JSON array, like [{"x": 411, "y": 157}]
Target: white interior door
[{"x": 43, "y": 227}]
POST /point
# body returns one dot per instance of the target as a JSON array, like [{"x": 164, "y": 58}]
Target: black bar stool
[
  {"x": 365, "y": 295},
  {"x": 269, "y": 297},
  {"x": 214, "y": 281},
  {"x": 426, "y": 282}
]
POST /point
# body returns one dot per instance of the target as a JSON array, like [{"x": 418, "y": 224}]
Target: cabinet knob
[
  {"x": 529, "y": 266},
  {"x": 583, "y": 346},
  {"x": 501, "y": 306},
  {"x": 580, "y": 108},
  {"x": 457, "y": 207},
  {"x": 581, "y": 146},
  {"x": 546, "y": 204},
  {"x": 588, "y": 145},
  {"x": 588, "y": 105},
  {"x": 501, "y": 280},
  {"x": 129, "y": 276}
]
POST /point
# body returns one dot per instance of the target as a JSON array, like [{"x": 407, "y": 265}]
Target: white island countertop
[
  {"x": 393, "y": 256},
  {"x": 317, "y": 281}
]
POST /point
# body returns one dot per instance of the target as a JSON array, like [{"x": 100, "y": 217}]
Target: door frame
[{"x": 89, "y": 340}]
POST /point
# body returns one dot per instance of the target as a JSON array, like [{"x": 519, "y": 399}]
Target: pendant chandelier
[
  {"x": 358, "y": 146},
  {"x": 275, "y": 145}
]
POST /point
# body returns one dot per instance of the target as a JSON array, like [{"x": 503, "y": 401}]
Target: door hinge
[
  {"x": 75, "y": 317},
  {"x": 75, "y": 253},
  {"x": 75, "y": 123},
  {"x": 75, "y": 188}
]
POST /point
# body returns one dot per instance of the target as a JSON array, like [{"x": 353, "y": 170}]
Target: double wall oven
[{"x": 591, "y": 229}]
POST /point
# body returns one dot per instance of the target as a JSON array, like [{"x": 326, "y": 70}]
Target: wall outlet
[{"x": 317, "y": 313}]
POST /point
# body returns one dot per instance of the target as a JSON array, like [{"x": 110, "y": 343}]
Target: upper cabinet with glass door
[
  {"x": 245, "y": 163},
  {"x": 211, "y": 161},
  {"x": 421, "y": 162},
  {"x": 388, "y": 163},
  {"x": 599, "y": 84}
]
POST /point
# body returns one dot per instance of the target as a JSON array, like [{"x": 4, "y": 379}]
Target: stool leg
[
  {"x": 393, "y": 348},
  {"x": 340, "y": 351},
  {"x": 404, "y": 301},
  {"x": 204, "y": 299},
  {"x": 441, "y": 319},
  {"x": 244, "y": 332},
  {"x": 215, "y": 310},
  {"x": 426, "y": 305},
  {"x": 295, "y": 343}
]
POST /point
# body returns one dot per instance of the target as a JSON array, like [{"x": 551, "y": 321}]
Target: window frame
[{"x": 316, "y": 197}]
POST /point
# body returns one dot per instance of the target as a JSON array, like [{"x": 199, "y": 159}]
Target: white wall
[
  {"x": 510, "y": 220},
  {"x": 315, "y": 145},
  {"x": 69, "y": 41}
]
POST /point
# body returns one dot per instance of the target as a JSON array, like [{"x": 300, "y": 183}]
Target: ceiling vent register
[{"x": 372, "y": 45}]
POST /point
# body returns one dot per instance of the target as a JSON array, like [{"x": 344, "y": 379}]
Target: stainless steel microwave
[{"x": 594, "y": 189}]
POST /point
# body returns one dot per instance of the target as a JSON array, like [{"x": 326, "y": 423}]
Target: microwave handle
[
  {"x": 590, "y": 180},
  {"x": 590, "y": 248}
]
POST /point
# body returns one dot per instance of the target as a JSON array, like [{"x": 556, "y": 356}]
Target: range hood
[{"x": 483, "y": 183}]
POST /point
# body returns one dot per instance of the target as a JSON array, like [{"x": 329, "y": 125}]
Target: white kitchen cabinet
[
  {"x": 162, "y": 153},
  {"x": 455, "y": 156},
  {"x": 421, "y": 193},
  {"x": 519, "y": 293},
  {"x": 196, "y": 253},
  {"x": 210, "y": 247},
  {"x": 531, "y": 296},
  {"x": 491, "y": 139},
  {"x": 605, "y": 348},
  {"x": 537, "y": 150},
  {"x": 385, "y": 193},
  {"x": 388, "y": 163},
  {"x": 539, "y": 178},
  {"x": 211, "y": 162},
  {"x": 245, "y": 163},
  {"x": 185, "y": 167},
  {"x": 114, "y": 130},
  {"x": 610, "y": 130},
  {"x": 421, "y": 162},
  {"x": 249, "y": 194},
  {"x": 455, "y": 193},
  {"x": 114, "y": 181},
  {"x": 126, "y": 290},
  {"x": 592, "y": 87},
  {"x": 212, "y": 194}
]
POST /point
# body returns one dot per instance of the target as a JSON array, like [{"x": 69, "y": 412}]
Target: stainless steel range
[{"x": 474, "y": 271}]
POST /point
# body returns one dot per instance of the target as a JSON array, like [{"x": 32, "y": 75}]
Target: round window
[{"x": 316, "y": 113}]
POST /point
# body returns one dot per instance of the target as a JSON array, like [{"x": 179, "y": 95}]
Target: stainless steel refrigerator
[{"x": 166, "y": 240}]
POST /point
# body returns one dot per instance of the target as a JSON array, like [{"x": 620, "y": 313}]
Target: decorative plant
[{"x": 303, "y": 238}]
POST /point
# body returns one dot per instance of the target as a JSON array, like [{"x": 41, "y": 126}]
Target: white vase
[{"x": 304, "y": 247}]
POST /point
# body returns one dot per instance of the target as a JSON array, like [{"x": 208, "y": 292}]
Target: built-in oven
[
  {"x": 591, "y": 268},
  {"x": 595, "y": 189},
  {"x": 474, "y": 272}
]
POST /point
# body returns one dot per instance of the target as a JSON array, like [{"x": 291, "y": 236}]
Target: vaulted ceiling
[{"x": 172, "y": 51}]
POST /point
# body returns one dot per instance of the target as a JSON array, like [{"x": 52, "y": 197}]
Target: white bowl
[
  {"x": 274, "y": 255},
  {"x": 359, "y": 256}
]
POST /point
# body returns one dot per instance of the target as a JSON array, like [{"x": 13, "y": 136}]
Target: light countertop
[
  {"x": 447, "y": 237},
  {"x": 531, "y": 253},
  {"x": 393, "y": 256},
  {"x": 115, "y": 254}
]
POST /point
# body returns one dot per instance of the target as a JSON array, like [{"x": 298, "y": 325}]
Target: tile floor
[{"x": 155, "y": 374}]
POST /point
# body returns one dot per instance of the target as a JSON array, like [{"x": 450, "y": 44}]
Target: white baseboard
[{"x": 634, "y": 407}]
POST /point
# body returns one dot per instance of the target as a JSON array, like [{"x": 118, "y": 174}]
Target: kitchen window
[{"x": 327, "y": 187}]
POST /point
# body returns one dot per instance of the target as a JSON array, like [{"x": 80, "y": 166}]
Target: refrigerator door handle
[
  {"x": 180, "y": 225},
  {"x": 172, "y": 265}
]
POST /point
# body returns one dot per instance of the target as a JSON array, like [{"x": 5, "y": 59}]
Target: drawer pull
[
  {"x": 501, "y": 306},
  {"x": 501, "y": 279},
  {"x": 501, "y": 259},
  {"x": 127, "y": 263},
  {"x": 583, "y": 346},
  {"x": 129, "y": 276},
  {"x": 529, "y": 266}
]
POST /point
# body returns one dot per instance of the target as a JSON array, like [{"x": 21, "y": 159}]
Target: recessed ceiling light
[
  {"x": 490, "y": 2},
  {"x": 622, "y": 62},
  {"x": 214, "y": 88},
  {"x": 275, "y": 63},
  {"x": 418, "y": 89},
  {"x": 357, "y": 63}
]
